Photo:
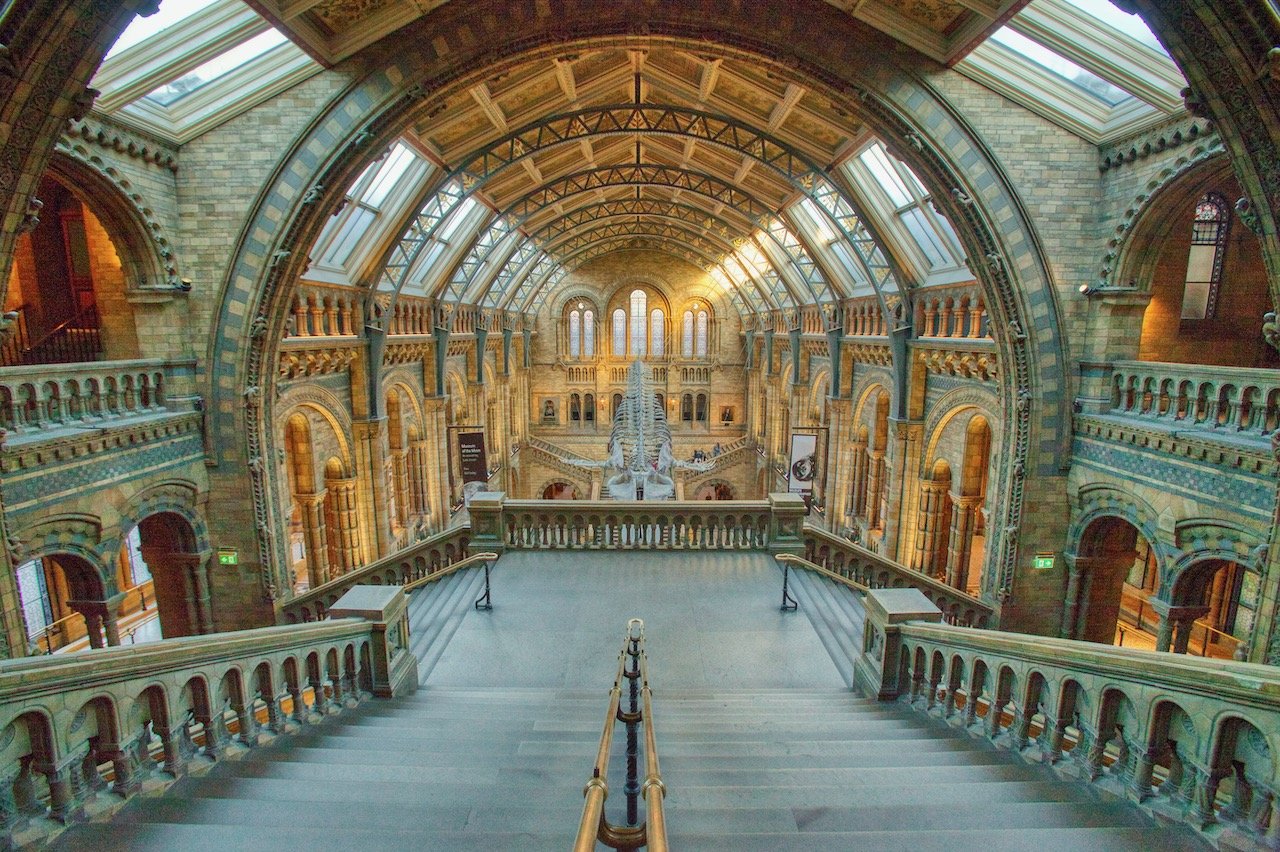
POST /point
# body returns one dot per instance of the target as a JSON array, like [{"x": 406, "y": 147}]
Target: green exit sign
[
  {"x": 228, "y": 556},
  {"x": 1044, "y": 561}
]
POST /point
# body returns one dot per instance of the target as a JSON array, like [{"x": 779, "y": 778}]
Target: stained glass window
[{"x": 1204, "y": 260}]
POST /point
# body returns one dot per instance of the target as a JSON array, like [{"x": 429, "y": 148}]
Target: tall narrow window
[
  {"x": 657, "y": 333},
  {"x": 33, "y": 595},
  {"x": 619, "y": 333},
  {"x": 639, "y": 313},
  {"x": 588, "y": 333},
  {"x": 1204, "y": 261},
  {"x": 686, "y": 335},
  {"x": 575, "y": 334},
  {"x": 701, "y": 345}
]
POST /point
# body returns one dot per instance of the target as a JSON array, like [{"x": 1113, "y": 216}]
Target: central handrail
[
  {"x": 485, "y": 601},
  {"x": 593, "y": 826}
]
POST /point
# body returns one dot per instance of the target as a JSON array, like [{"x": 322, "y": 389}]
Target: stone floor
[{"x": 558, "y": 621}]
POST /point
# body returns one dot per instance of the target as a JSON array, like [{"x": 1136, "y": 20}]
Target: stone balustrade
[
  {"x": 418, "y": 560},
  {"x": 69, "y": 722},
  {"x": 773, "y": 525},
  {"x": 1188, "y": 738},
  {"x": 871, "y": 569},
  {"x": 1228, "y": 400},
  {"x": 951, "y": 312},
  {"x": 38, "y": 399},
  {"x": 864, "y": 318},
  {"x": 321, "y": 310}
]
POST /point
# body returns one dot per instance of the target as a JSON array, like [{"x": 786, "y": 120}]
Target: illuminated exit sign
[
  {"x": 228, "y": 556},
  {"x": 1044, "y": 561}
]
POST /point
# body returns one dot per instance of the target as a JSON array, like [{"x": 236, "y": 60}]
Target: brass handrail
[
  {"x": 474, "y": 559},
  {"x": 47, "y": 633},
  {"x": 593, "y": 826},
  {"x": 792, "y": 559}
]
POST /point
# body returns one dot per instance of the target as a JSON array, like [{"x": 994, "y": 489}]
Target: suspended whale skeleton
[{"x": 640, "y": 463}]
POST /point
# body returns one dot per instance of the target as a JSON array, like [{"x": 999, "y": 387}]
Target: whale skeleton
[{"x": 640, "y": 463}]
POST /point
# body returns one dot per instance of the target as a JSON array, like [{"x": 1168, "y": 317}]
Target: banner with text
[
  {"x": 475, "y": 466},
  {"x": 804, "y": 464}
]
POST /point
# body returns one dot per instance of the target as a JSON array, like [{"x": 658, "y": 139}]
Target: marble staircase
[{"x": 484, "y": 757}]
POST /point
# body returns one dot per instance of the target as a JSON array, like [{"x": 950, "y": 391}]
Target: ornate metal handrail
[
  {"x": 788, "y": 559},
  {"x": 420, "y": 559},
  {"x": 593, "y": 826},
  {"x": 849, "y": 560},
  {"x": 486, "y": 559}
]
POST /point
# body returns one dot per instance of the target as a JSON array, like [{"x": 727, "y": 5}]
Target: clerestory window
[{"x": 1204, "y": 259}]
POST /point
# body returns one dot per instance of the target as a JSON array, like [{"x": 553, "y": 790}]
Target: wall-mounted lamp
[{"x": 1087, "y": 290}]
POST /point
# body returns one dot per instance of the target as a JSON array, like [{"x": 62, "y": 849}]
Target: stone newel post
[{"x": 877, "y": 669}]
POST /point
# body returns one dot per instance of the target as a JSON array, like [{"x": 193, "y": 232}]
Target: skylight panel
[
  {"x": 172, "y": 12},
  {"x": 890, "y": 181},
  {"x": 1131, "y": 25},
  {"x": 1083, "y": 80},
  {"x": 393, "y": 168},
  {"x": 219, "y": 66}
]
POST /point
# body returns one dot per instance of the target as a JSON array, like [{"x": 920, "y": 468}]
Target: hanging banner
[
  {"x": 475, "y": 466},
  {"x": 804, "y": 464}
]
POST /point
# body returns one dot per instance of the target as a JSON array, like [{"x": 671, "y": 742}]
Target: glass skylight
[
  {"x": 222, "y": 64},
  {"x": 1066, "y": 69},
  {"x": 171, "y": 12},
  {"x": 1131, "y": 25}
]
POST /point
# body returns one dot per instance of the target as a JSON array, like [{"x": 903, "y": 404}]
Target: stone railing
[
  {"x": 870, "y": 569},
  {"x": 416, "y": 561},
  {"x": 1227, "y": 400},
  {"x": 951, "y": 312},
  {"x": 321, "y": 310},
  {"x": 1188, "y": 738},
  {"x": 46, "y": 397},
  {"x": 68, "y": 722},
  {"x": 863, "y": 318},
  {"x": 499, "y": 524}
]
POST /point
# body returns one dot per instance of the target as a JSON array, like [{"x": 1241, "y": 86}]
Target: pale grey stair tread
[{"x": 770, "y": 761}]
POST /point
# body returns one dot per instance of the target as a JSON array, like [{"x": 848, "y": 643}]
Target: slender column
[
  {"x": 346, "y": 516},
  {"x": 1077, "y": 567},
  {"x": 204, "y": 606},
  {"x": 312, "y": 508},
  {"x": 1140, "y": 788},
  {"x": 960, "y": 548},
  {"x": 875, "y": 474},
  {"x": 418, "y": 501},
  {"x": 174, "y": 761},
  {"x": 906, "y": 443},
  {"x": 400, "y": 478},
  {"x": 370, "y": 438},
  {"x": 92, "y": 612},
  {"x": 858, "y": 498},
  {"x": 64, "y": 805}
]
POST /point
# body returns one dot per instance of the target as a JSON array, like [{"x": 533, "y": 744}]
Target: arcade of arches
[{"x": 257, "y": 336}]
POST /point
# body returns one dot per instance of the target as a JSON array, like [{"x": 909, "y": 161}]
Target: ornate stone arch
[
  {"x": 75, "y": 535},
  {"x": 178, "y": 496},
  {"x": 966, "y": 180},
  {"x": 1106, "y": 501},
  {"x": 1122, "y": 256},
  {"x": 147, "y": 254}
]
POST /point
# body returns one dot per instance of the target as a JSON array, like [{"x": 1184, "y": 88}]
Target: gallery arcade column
[
  {"x": 929, "y": 523},
  {"x": 1078, "y": 569},
  {"x": 871, "y": 496},
  {"x": 906, "y": 457},
  {"x": 370, "y": 439},
  {"x": 419, "y": 504},
  {"x": 345, "y": 514},
  {"x": 836, "y": 472},
  {"x": 312, "y": 508},
  {"x": 437, "y": 439},
  {"x": 963, "y": 515}
]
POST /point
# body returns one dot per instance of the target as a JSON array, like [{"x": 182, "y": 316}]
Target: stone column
[
  {"x": 400, "y": 478},
  {"x": 858, "y": 497},
  {"x": 346, "y": 518},
  {"x": 875, "y": 473},
  {"x": 204, "y": 606},
  {"x": 92, "y": 612},
  {"x": 419, "y": 504},
  {"x": 906, "y": 444},
  {"x": 960, "y": 550},
  {"x": 313, "y": 538},
  {"x": 1184, "y": 624},
  {"x": 1077, "y": 567},
  {"x": 370, "y": 438}
]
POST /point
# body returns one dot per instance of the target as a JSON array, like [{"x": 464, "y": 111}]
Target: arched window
[
  {"x": 588, "y": 333},
  {"x": 639, "y": 313},
  {"x": 700, "y": 342},
  {"x": 686, "y": 408},
  {"x": 701, "y": 413},
  {"x": 575, "y": 408},
  {"x": 575, "y": 334},
  {"x": 686, "y": 335},
  {"x": 589, "y": 408},
  {"x": 1204, "y": 260},
  {"x": 619, "y": 333},
  {"x": 657, "y": 333}
]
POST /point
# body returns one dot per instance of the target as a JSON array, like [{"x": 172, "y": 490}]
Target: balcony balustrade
[
  {"x": 38, "y": 400},
  {"x": 1225, "y": 400}
]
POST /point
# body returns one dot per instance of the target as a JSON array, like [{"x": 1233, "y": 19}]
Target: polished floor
[{"x": 711, "y": 622}]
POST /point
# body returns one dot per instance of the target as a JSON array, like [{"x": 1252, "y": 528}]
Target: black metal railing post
[
  {"x": 789, "y": 603},
  {"x": 635, "y": 629},
  {"x": 484, "y": 602}
]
